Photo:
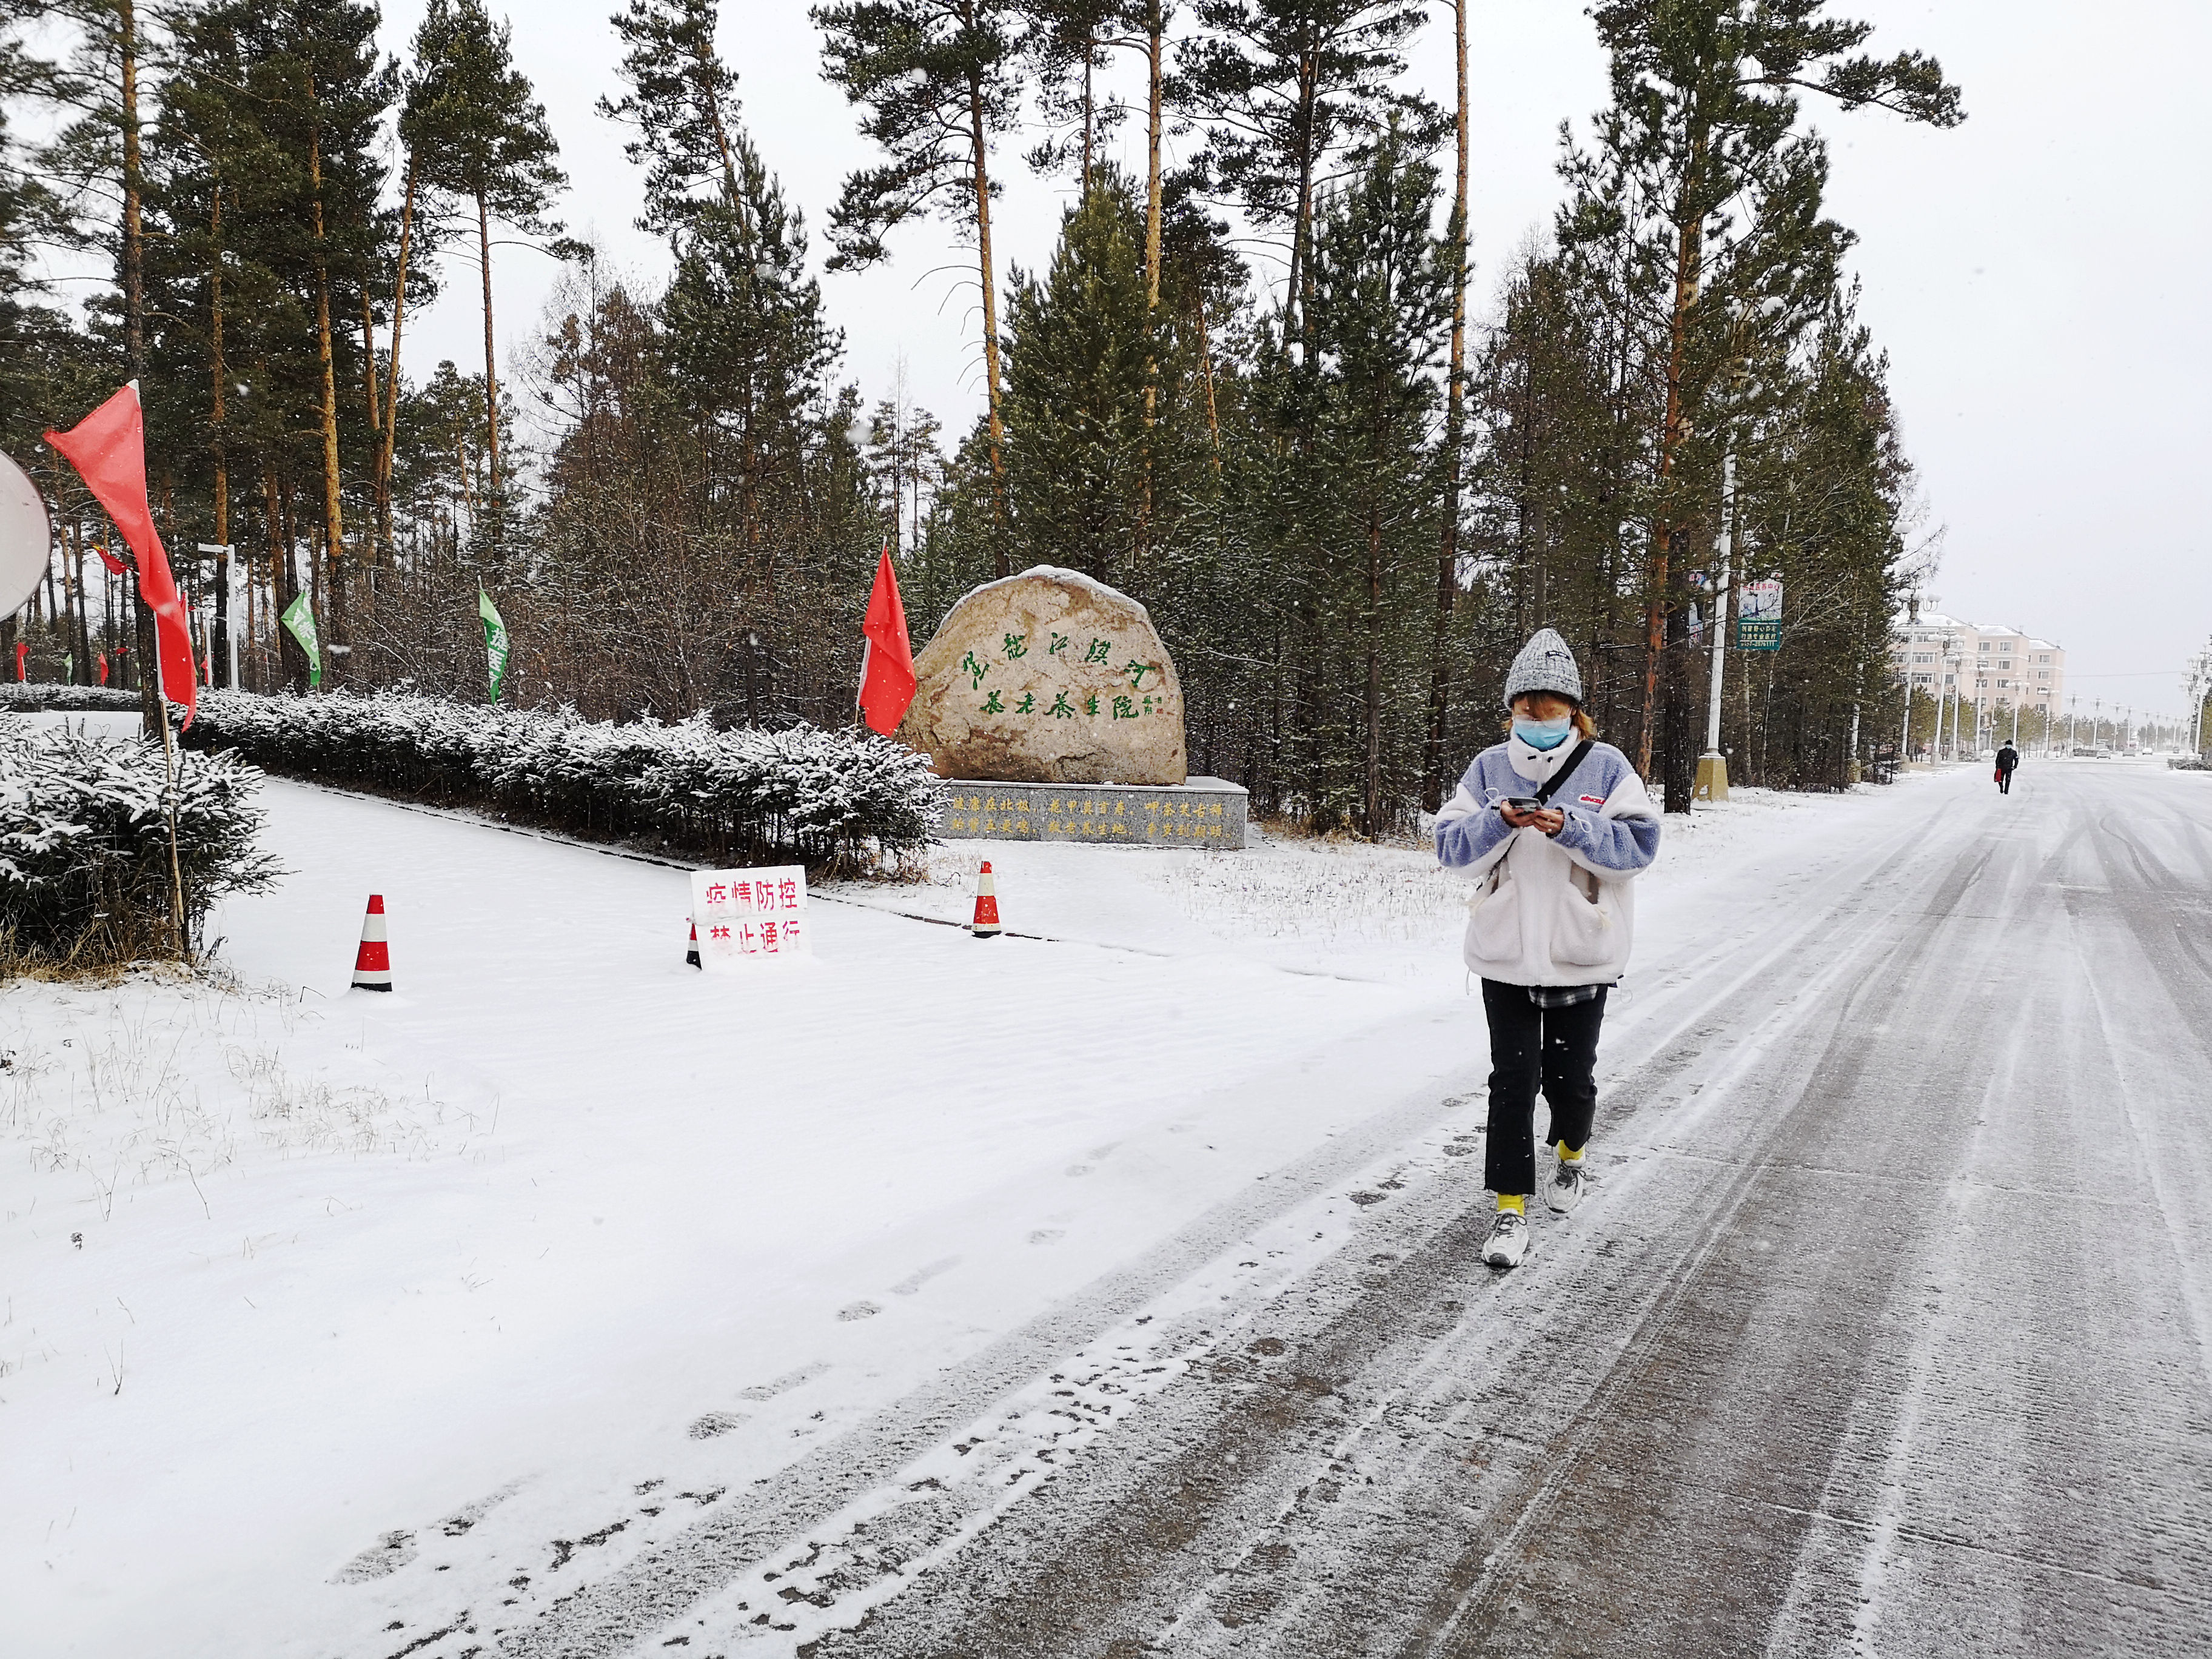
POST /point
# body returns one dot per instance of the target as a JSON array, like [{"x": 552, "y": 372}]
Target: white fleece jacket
[{"x": 1551, "y": 910}]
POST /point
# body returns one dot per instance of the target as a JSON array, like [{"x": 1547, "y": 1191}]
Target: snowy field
[{"x": 342, "y": 1324}]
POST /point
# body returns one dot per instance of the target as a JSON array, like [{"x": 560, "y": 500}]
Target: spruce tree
[
  {"x": 1080, "y": 345},
  {"x": 1380, "y": 317}
]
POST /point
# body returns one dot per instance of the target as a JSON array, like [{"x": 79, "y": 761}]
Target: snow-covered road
[
  {"x": 1119, "y": 1296},
  {"x": 1887, "y": 1333}
]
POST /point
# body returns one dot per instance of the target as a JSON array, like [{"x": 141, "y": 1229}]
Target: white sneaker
[
  {"x": 1570, "y": 1181},
  {"x": 1508, "y": 1239}
]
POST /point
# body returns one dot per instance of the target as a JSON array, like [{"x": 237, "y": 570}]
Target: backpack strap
[{"x": 1581, "y": 754}]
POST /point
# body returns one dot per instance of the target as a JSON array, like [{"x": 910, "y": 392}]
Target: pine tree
[
  {"x": 745, "y": 336},
  {"x": 939, "y": 80},
  {"x": 1279, "y": 87},
  {"x": 682, "y": 99},
  {"x": 1703, "y": 125},
  {"x": 1448, "y": 576},
  {"x": 481, "y": 136},
  {"x": 1066, "y": 45}
]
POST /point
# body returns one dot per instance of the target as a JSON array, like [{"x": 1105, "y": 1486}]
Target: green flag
[
  {"x": 300, "y": 617},
  {"x": 494, "y": 638}
]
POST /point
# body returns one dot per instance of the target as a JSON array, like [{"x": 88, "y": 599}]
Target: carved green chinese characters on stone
[{"x": 1059, "y": 679}]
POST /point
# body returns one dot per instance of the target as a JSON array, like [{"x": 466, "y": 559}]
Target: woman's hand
[{"x": 1550, "y": 819}]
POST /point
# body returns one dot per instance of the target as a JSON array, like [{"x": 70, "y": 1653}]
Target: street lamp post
[
  {"x": 226, "y": 605},
  {"x": 1943, "y": 699},
  {"x": 1956, "y": 660},
  {"x": 2200, "y": 669},
  {"x": 1711, "y": 782}
]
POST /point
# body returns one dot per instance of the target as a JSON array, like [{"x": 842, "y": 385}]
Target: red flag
[
  {"x": 887, "y": 668},
  {"x": 111, "y": 561},
  {"x": 108, "y": 450},
  {"x": 103, "y": 668},
  {"x": 22, "y": 650}
]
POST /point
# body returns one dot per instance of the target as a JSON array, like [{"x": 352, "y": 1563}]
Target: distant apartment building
[{"x": 1988, "y": 665}]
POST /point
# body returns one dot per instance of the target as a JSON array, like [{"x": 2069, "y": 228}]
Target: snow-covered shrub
[
  {"x": 85, "y": 877},
  {"x": 41, "y": 695},
  {"x": 825, "y": 799}
]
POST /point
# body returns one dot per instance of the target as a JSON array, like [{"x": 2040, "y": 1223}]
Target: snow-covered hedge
[
  {"x": 825, "y": 799},
  {"x": 84, "y": 846},
  {"x": 75, "y": 699}
]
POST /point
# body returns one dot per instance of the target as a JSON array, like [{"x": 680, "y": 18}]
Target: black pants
[
  {"x": 1530, "y": 1048},
  {"x": 2004, "y": 783}
]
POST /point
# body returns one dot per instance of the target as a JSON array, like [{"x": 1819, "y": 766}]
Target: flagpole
[{"x": 169, "y": 771}]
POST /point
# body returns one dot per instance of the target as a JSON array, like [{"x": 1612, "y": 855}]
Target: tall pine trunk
[
  {"x": 1689, "y": 257},
  {"x": 492, "y": 367},
  {"x": 388, "y": 436},
  {"x": 1432, "y": 786},
  {"x": 978, "y": 139},
  {"x": 1302, "y": 227},
  {"x": 1155, "y": 31},
  {"x": 133, "y": 326},
  {"x": 333, "y": 503},
  {"x": 1370, "y": 802},
  {"x": 224, "y": 619}
]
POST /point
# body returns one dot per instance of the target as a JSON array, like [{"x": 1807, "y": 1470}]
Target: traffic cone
[
  {"x": 986, "y": 925},
  {"x": 691, "y": 956},
  {"x": 372, "y": 966}
]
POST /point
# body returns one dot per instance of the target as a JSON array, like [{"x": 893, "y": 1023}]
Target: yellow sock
[
  {"x": 1513, "y": 1201},
  {"x": 1571, "y": 1155}
]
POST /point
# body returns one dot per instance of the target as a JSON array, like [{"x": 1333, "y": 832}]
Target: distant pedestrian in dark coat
[{"x": 2008, "y": 762}]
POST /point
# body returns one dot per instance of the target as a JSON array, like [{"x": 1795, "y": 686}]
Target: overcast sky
[{"x": 2038, "y": 276}]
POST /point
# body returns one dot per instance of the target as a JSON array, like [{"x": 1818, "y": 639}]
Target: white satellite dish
[{"x": 26, "y": 537}]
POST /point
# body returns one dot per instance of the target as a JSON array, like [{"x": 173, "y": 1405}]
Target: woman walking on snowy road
[{"x": 1556, "y": 826}]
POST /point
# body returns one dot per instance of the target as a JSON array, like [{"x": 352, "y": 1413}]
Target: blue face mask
[{"x": 1544, "y": 734}]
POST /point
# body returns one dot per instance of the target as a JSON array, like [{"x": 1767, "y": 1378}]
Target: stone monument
[{"x": 1053, "y": 681}]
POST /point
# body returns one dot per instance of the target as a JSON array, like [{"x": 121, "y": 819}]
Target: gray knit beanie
[{"x": 1544, "y": 664}]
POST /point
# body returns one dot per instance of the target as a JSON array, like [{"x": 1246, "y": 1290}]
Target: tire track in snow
[
  {"x": 1198, "y": 1469},
  {"x": 1737, "y": 1391},
  {"x": 656, "y": 1587}
]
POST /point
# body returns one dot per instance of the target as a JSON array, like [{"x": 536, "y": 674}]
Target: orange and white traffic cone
[
  {"x": 691, "y": 956},
  {"x": 986, "y": 925},
  {"x": 371, "y": 965}
]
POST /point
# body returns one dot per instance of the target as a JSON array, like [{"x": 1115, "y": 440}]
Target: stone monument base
[{"x": 1207, "y": 813}]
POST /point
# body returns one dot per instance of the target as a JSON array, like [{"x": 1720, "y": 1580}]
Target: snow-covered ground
[{"x": 303, "y": 1284}]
